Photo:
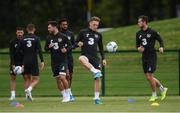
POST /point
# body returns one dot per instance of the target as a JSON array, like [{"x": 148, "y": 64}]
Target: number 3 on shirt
[
  {"x": 29, "y": 43},
  {"x": 144, "y": 41},
  {"x": 91, "y": 41}
]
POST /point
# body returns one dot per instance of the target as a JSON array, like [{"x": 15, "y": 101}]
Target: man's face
[
  {"x": 51, "y": 29},
  {"x": 94, "y": 25},
  {"x": 64, "y": 25},
  {"x": 19, "y": 33},
  {"x": 141, "y": 23}
]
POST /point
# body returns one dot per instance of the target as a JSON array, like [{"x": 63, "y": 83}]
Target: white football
[
  {"x": 18, "y": 70},
  {"x": 112, "y": 46}
]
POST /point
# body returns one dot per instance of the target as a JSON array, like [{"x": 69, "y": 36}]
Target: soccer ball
[
  {"x": 111, "y": 46},
  {"x": 18, "y": 70}
]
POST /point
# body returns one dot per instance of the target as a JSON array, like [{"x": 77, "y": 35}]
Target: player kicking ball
[
  {"x": 90, "y": 40},
  {"x": 145, "y": 42}
]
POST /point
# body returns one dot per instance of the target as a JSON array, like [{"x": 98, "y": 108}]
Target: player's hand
[
  {"x": 42, "y": 65},
  {"x": 22, "y": 68},
  {"x": 161, "y": 49},
  {"x": 80, "y": 44},
  {"x": 104, "y": 62},
  {"x": 51, "y": 45},
  {"x": 63, "y": 50},
  {"x": 141, "y": 49}
]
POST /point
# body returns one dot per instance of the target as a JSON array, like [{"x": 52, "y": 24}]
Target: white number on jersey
[
  {"x": 91, "y": 41},
  {"x": 29, "y": 43},
  {"x": 144, "y": 41},
  {"x": 56, "y": 46}
]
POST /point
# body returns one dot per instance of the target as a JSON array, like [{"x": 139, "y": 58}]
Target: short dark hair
[
  {"x": 95, "y": 18},
  {"x": 63, "y": 20},
  {"x": 19, "y": 28},
  {"x": 30, "y": 27},
  {"x": 144, "y": 18},
  {"x": 53, "y": 23}
]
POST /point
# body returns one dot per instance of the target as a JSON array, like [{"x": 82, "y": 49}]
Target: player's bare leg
[
  {"x": 33, "y": 83},
  {"x": 162, "y": 89},
  {"x": 152, "y": 82},
  {"x": 66, "y": 87},
  {"x": 13, "y": 87},
  {"x": 27, "y": 80},
  {"x": 69, "y": 79},
  {"x": 84, "y": 61},
  {"x": 61, "y": 87},
  {"x": 97, "y": 86}
]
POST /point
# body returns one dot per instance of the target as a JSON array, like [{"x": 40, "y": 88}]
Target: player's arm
[
  {"x": 161, "y": 43},
  {"x": 79, "y": 39},
  {"x": 68, "y": 47},
  {"x": 47, "y": 43},
  {"x": 101, "y": 50},
  {"x": 11, "y": 52},
  {"x": 39, "y": 49},
  {"x": 139, "y": 47},
  {"x": 20, "y": 48}
]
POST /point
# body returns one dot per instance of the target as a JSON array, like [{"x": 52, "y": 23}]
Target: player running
[
  {"x": 63, "y": 23},
  {"x": 55, "y": 43},
  {"x": 16, "y": 60},
  {"x": 145, "y": 42},
  {"x": 90, "y": 42},
  {"x": 30, "y": 47}
]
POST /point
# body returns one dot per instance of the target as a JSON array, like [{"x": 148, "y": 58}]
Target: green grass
[{"x": 86, "y": 104}]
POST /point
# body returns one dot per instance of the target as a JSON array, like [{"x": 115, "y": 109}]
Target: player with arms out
[
  {"x": 63, "y": 23},
  {"x": 145, "y": 42},
  {"x": 16, "y": 60},
  {"x": 55, "y": 43},
  {"x": 30, "y": 47},
  {"x": 90, "y": 41}
]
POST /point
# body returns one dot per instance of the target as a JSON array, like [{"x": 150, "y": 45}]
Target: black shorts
[
  {"x": 70, "y": 64},
  {"x": 32, "y": 69},
  {"x": 59, "y": 69},
  {"x": 149, "y": 64},
  {"x": 95, "y": 61},
  {"x": 11, "y": 70}
]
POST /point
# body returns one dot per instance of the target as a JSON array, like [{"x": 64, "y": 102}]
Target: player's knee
[
  {"x": 83, "y": 58},
  {"x": 149, "y": 77},
  {"x": 13, "y": 77},
  {"x": 68, "y": 77}
]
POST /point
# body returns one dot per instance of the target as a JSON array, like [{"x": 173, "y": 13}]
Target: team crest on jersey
[
  {"x": 140, "y": 36},
  {"x": 15, "y": 45},
  {"x": 59, "y": 39},
  {"x": 69, "y": 38},
  {"x": 148, "y": 35},
  {"x": 95, "y": 35}
]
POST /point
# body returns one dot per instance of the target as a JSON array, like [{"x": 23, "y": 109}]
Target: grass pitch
[{"x": 86, "y": 104}]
